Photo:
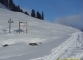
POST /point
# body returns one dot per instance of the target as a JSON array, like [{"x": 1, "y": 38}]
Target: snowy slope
[
  {"x": 2, "y": 6},
  {"x": 53, "y": 39}
]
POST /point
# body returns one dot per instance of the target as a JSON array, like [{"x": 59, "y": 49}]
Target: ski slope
[{"x": 54, "y": 41}]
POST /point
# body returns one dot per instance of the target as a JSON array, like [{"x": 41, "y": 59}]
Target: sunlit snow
[{"x": 54, "y": 40}]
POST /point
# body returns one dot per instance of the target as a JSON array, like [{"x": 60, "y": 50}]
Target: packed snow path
[{"x": 72, "y": 44}]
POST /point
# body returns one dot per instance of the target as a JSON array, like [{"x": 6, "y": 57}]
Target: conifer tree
[
  {"x": 14, "y": 7},
  {"x": 2, "y": 1},
  {"x": 21, "y": 10},
  {"x": 10, "y": 4},
  {"x": 6, "y": 3},
  {"x": 18, "y": 8},
  {"x": 42, "y": 17},
  {"x": 33, "y": 13},
  {"x": 38, "y": 15}
]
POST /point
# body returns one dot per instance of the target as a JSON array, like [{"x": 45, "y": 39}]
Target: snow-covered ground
[{"x": 55, "y": 41}]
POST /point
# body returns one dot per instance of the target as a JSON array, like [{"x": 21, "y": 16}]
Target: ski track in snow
[{"x": 65, "y": 49}]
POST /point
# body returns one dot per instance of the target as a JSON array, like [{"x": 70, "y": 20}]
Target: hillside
[{"x": 52, "y": 39}]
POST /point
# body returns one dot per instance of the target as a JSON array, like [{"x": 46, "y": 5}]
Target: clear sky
[{"x": 52, "y": 8}]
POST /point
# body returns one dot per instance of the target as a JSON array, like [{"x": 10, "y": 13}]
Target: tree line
[
  {"x": 37, "y": 14},
  {"x": 11, "y": 5}
]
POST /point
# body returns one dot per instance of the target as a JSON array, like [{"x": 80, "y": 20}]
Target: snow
[
  {"x": 2, "y": 6},
  {"x": 54, "y": 41}
]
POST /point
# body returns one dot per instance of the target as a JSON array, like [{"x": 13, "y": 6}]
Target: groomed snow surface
[{"x": 55, "y": 41}]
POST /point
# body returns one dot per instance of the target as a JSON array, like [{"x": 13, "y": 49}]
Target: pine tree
[
  {"x": 42, "y": 17},
  {"x": 33, "y": 13},
  {"x": 10, "y": 4},
  {"x": 6, "y": 3},
  {"x": 38, "y": 15},
  {"x": 18, "y": 8},
  {"x": 21, "y": 10},
  {"x": 2, "y": 1},
  {"x": 14, "y": 7}
]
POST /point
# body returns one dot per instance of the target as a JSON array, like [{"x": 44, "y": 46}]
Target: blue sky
[{"x": 53, "y": 8}]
